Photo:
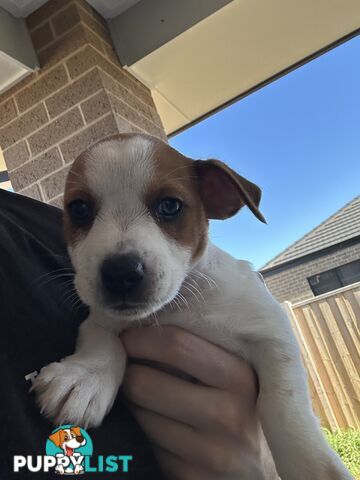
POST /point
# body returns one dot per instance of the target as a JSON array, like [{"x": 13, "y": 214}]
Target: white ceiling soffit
[
  {"x": 112, "y": 8},
  {"x": 11, "y": 72},
  {"x": 237, "y": 49}
]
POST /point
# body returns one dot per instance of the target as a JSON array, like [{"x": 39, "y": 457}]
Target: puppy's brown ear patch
[{"x": 223, "y": 192}]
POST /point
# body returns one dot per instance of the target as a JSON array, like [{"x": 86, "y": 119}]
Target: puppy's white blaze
[
  {"x": 120, "y": 168},
  {"x": 119, "y": 176}
]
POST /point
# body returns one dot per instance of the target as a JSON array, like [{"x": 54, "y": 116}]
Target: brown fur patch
[
  {"x": 175, "y": 176},
  {"x": 224, "y": 192},
  {"x": 76, "y": 188},
  {"x": 207, "y": 189}
]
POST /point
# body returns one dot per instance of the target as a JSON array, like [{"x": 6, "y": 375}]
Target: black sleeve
[{"x": 39, "y": 319}]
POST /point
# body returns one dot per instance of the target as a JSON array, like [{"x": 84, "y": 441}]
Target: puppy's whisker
[
  {"x": 168, "y": 175},
  {"x": 185, "y": 177},
  {"x": 48, "y": 280},
  {"x": 176, "y": 303},
  {"x": 64, "y": 288},
  {"x": 191, "y": 285},
  {"x": 68, "y": 287},
  {"x": 194, "y": 284},
  {"x": 71, "y": 297},
  {"x": 52, "y": 272},
  {"x": 183, "y": 299},
  {"x": 55, "y": 255},
  {"x": 187, "y": 288},
  {"x": 74, "y": 182},
  {"x": 58, "y": 275},
  {"x": 76, "y": 304},
  {"x": 203, "y": 276},
  {"x": 156, "y": 323},
  {"x": 77, "y": 174},
  {"x": 68, "y": 282}
]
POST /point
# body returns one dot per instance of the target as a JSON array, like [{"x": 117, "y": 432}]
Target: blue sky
[{"x": 299, "y": 139}]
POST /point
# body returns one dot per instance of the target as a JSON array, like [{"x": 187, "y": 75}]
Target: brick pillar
[{"x": 80, "y": 95}]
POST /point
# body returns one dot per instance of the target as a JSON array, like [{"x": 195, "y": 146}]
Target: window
[
  {"x": 350, "y": 273},
  {"x": 335, "y": 278}
]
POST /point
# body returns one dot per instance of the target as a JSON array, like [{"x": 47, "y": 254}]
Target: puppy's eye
[
  {"x": 168, "y": 208},
  {"x": 80, "y": 212}
]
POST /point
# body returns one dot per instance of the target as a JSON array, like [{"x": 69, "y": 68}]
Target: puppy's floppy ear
[
  {"x": 223, "y": 192},
  {"x": 57, "y": 438}
]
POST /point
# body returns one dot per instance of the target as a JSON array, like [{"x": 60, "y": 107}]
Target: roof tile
[{"x": 341, "y": 226}]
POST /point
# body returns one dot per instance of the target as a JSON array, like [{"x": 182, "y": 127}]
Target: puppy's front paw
[{"x": 70, "y": 392}]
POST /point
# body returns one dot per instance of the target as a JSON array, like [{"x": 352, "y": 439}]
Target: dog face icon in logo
[
  {"x": 69, "y": 444},
  {"x": 68, "y": 439}
]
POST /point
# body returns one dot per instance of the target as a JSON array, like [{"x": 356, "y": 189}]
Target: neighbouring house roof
[{"x": 341, "y": 226}]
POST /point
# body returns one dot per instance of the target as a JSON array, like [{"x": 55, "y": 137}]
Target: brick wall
[
  {"x": 292, "y": 284},
  {"x": 80, "y": 95}
]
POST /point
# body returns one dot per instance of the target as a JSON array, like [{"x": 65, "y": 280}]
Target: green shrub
[{"x": 347, "y": 444}]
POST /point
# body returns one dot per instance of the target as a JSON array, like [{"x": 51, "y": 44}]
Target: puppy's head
[{"x": 136, "y": 220}]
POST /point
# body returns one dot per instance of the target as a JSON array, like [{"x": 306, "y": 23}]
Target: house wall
[
  {"x": 79, "y": 95},
  {"x": 292, "y": 284}
]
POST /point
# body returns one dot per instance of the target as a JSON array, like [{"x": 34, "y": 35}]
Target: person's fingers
[
  {"x": 191, "y": 354},
  {"x": 211, "y": 452},
  {"x": 183, "y": 401},
  {"x": 175, "y": 468}
]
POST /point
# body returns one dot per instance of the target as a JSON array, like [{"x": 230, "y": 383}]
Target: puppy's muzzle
[{"x": 122, "y": 277}]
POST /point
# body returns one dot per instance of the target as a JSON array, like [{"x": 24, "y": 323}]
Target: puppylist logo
[
  {"x": 69, "y": 445},
  {"x": 69, "y": 451}
]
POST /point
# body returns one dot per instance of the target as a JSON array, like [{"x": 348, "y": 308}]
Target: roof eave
[{"x": 267, "y": 272}]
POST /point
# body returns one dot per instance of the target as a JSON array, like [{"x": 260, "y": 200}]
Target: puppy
[{"x": 136, "y": 225}]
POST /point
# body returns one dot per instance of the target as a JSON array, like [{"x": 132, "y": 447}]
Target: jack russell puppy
[{"x": 136, "y": 224}]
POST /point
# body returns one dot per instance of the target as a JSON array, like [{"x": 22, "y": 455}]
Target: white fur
[
  {"x": 86, "y": 383},
  {"x": 123, "y": 224},
  {"x": 229, "y": 306}
]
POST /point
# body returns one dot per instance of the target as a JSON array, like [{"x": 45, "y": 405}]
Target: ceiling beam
[{"x": 147, "y": 26}]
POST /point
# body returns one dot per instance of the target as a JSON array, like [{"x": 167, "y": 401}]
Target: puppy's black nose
[{"x": 121, "y": 274}]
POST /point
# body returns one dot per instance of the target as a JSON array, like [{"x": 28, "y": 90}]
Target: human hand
[{"x": 202, "y": 429}]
